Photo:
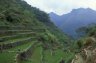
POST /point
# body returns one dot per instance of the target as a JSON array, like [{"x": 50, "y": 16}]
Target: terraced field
[
  {"x": 14, "y": 41},
  {"x": 20, "y": 45}
]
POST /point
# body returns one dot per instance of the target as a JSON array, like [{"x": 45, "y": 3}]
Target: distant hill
[
  {"x": 74, "y": 20},
  {"x": 55, "y": 18}
]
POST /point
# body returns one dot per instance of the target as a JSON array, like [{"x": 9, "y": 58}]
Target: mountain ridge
[{"x": 75, "y": 19}]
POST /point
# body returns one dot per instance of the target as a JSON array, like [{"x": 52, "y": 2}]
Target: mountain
[
  {"x": 27, "y": 35},
  {"x": 55, "y": 18},
  {"x": 77, "y": 18}
]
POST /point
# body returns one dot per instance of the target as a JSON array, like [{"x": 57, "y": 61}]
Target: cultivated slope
[{"x": 28, "y": 36}]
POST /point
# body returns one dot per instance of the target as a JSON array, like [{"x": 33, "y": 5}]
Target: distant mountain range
[{"x": 77, "y": 18}]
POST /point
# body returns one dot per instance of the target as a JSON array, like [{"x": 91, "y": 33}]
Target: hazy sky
[{"x": 62, "y": 6}]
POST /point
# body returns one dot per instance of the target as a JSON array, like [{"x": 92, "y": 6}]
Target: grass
[
  {"x": 18, "y": 35},
  {"x": 36, "y": 56},
  {"x": 6, "y": 38},
  {"x": 55, "y": 58},
  {"x": 22, "y": 47},
  {"x": 15, "y": 40},
  {"x": 6, "y": 57},
  {"x": 13, "y": 32},
  {"x": 58, "y": 56}
]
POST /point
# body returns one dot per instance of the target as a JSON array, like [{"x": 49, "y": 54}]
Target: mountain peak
[
  {"x": 52, "y": 13},
  {"x": 82, "y": 10}
]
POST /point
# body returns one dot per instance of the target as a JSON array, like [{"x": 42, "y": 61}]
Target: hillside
[
  {"x": 28, "y": 36},
  {"x": 87, "y": 47},
  {"x": 77, "y": 18}
]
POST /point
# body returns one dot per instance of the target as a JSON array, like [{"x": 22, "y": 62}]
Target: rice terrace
[{"x": 34, "y": 31}]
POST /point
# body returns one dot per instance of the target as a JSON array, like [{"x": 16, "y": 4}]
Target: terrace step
[
  {"x": 11, "y": 53},
  {"x": 28, "y": 52},
  {"x": 21, "y": 48},
  {"x": 12, "y": 32},
  {"x": 24, "y": 33},
  {"x": 20, "y": 27},
  {"x": 20, "y": 35},
  {"x": 35, "y": 56},
  {"x": 9, "y": 45}
]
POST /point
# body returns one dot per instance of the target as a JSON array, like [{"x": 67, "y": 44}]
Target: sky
[{"x": 61, "y": 6}]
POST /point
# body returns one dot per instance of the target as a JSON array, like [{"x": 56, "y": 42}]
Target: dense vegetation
[
  {"x": 28, "y": 36},
  {"x": 86, "y": 46}
]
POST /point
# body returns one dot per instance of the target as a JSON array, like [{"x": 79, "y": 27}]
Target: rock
[{"x": 62, "y": 61}]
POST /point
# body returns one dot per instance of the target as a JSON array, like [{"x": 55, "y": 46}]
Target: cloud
[{"x": 61, "y": 6}]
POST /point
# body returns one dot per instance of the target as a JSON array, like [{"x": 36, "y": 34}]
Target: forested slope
[
  {"x": 86, "y": 46},
  {"x": 28, "y": 36}
]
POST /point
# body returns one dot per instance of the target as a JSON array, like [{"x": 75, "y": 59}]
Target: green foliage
[
  {"x": 80, "y": 44},
  {"x": 19, "y": 13},
  {"x": 89, "y": 30}
]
